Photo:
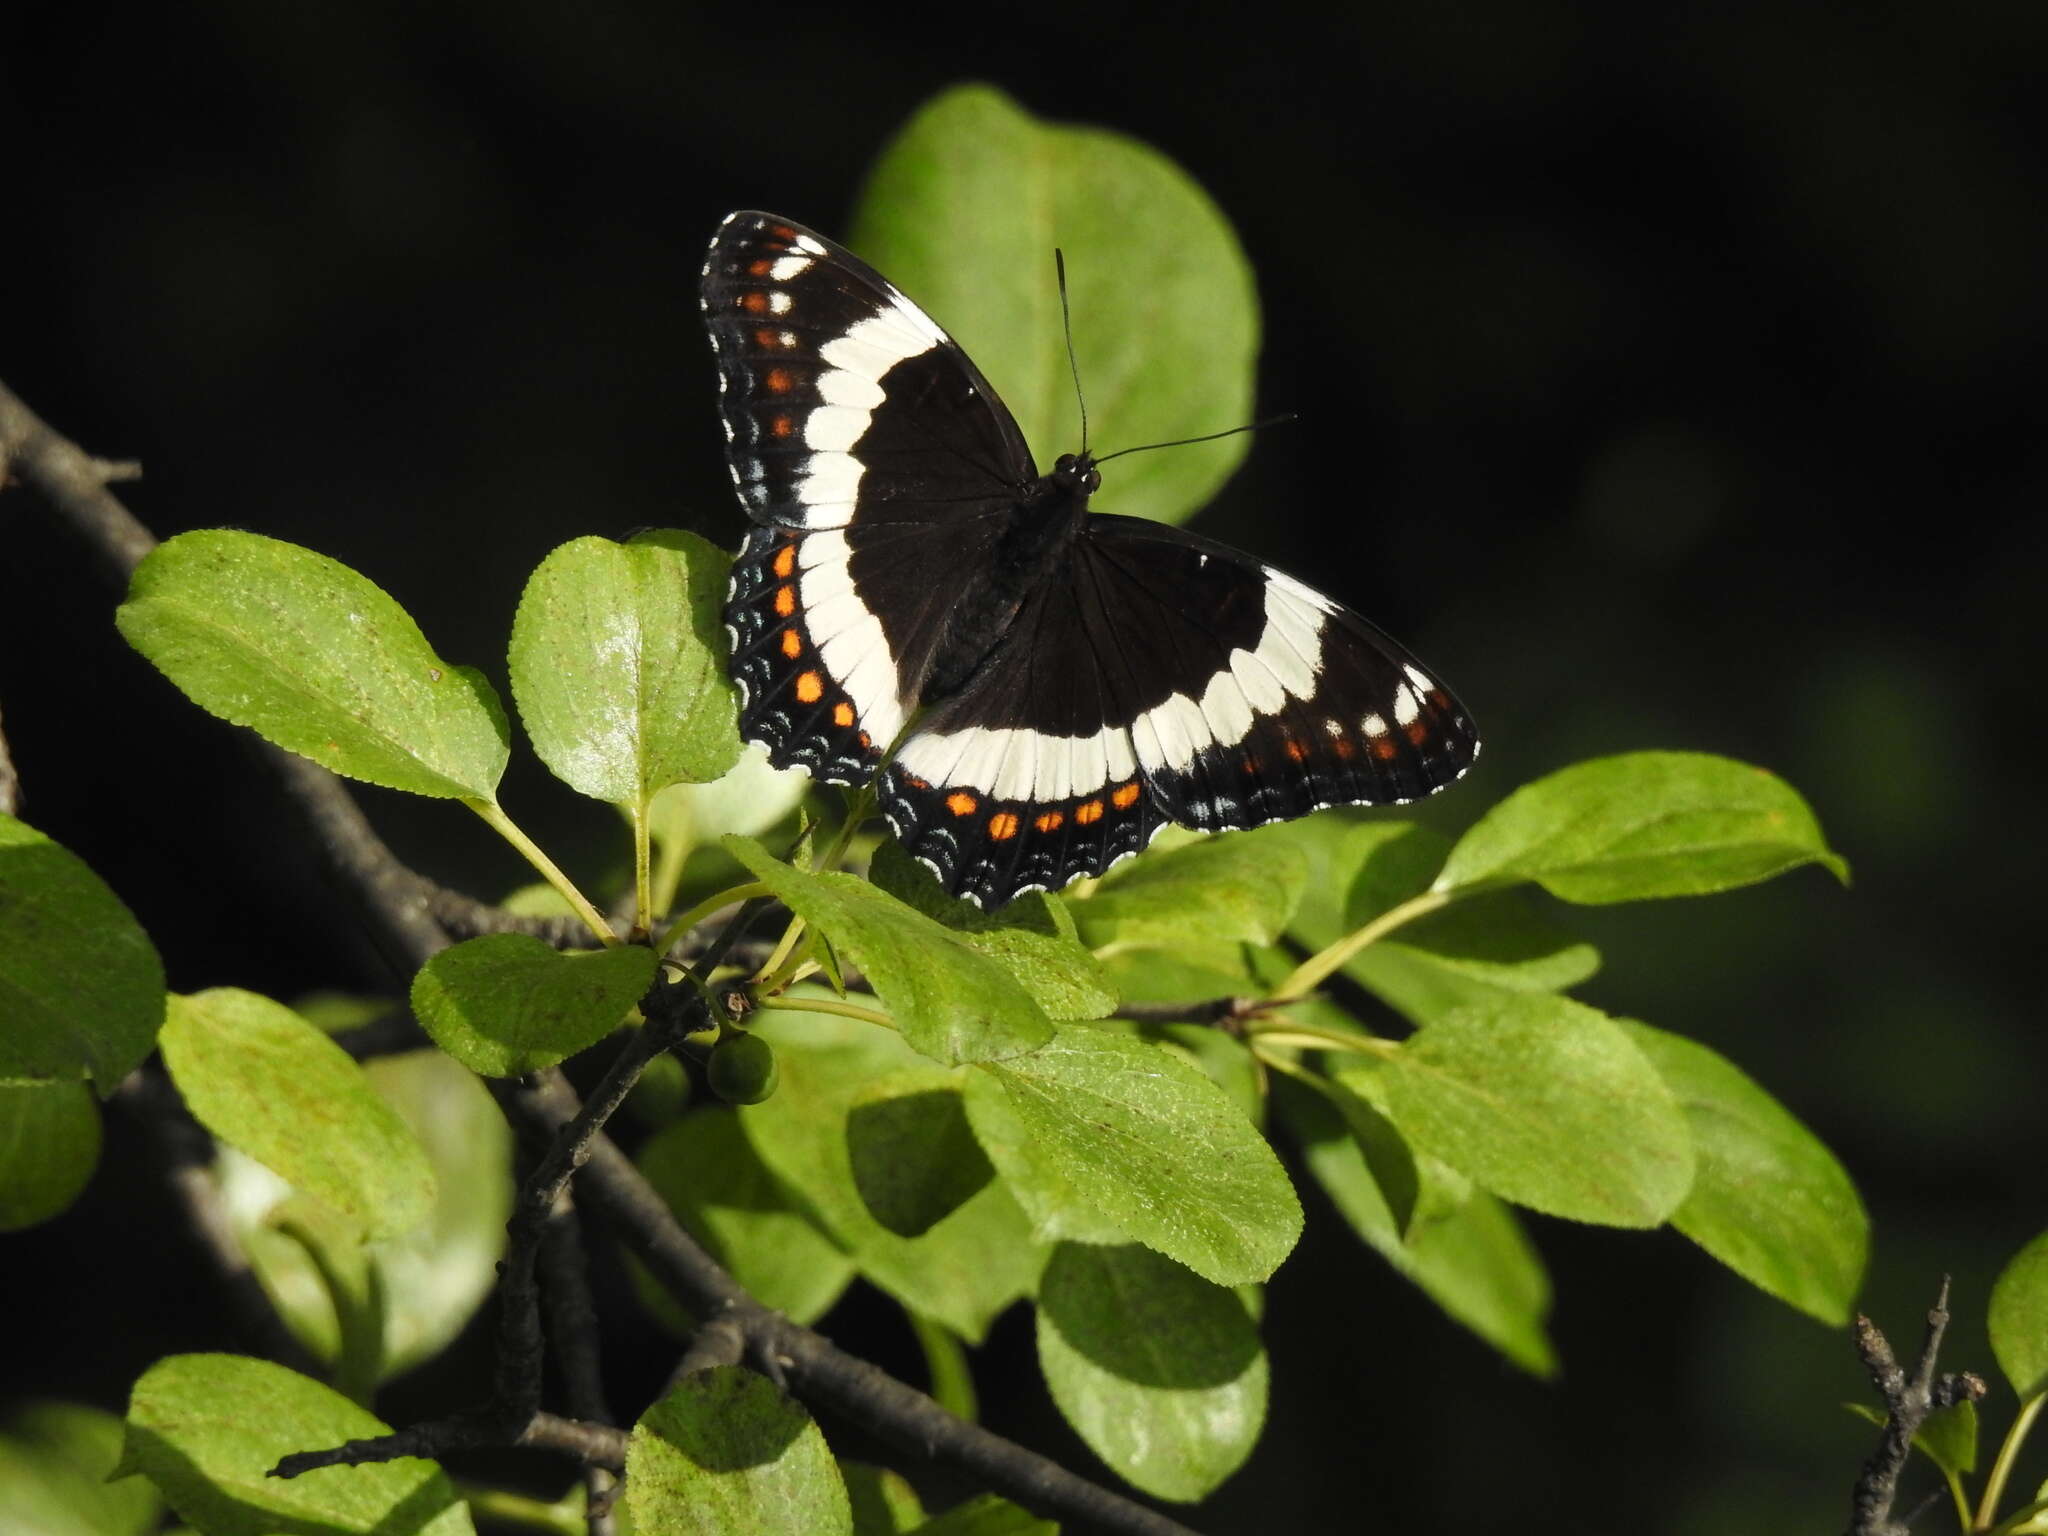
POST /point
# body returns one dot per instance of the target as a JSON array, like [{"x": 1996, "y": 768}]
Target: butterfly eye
[
  {"x": 1063, "y": 463},
  {"x": 1094, "y": 481}
]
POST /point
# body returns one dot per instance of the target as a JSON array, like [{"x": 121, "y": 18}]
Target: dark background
[{"x": 1675, "y": 381}]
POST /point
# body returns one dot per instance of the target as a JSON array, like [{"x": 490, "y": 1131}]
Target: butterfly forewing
[{"x": 841, "y": 399}]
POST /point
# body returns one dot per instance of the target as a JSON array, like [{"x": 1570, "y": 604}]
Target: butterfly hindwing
[
  {"x": 1160, "y": 678},
  {"x": 842, "y": 400}
]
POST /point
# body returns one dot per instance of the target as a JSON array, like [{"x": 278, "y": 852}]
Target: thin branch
[
  {"x": 466, "y": 918},
  {"x": 1908, "y": 1402},
  {"x": 1226, "y": 1013},
  {"x": 186, "y": 1155},
  {"x": 572, "y": 1325},
  {"x": 10, "y": 781},
  {"x": 75, "y": 486}
]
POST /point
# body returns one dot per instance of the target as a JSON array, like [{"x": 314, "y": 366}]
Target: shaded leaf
[
  {"x": 1767, "y": 1199},
  {"x": 505, "y": 1004},
  {"x": 968, "y": 1266},
  {"x": 748, "y": 798},
  {"x": 207, "y": 1429},
  {"x": 884, "y": 1503},
  {"x": 49, "y": 1146},
  {"x": 1947, "y": 1436},
  {"x": 962, "y": 212},
  {"x": 729, "y": 1454},
  {"x": 1240, "y": 887},
  {"x": 1640, "y": 825},
  {"x": 55, "y": 1459},
  {"x": 618, "y": 665},
  {"x": 727, "y": 1198},
  {"x": 1159, "y": 1149},
  {"x": 951, "y": 1002},
  {"x": 1472, "y": 1260},
  {"x": 987, "y": 1515},
  {"x": 81, "y": 987},
  {"x": 265, "y": 1081},
  {"x": 2018, "y": 1319},
  {"x": 1032, "y": 937},
  {"x": 915, "y": 1160},
  {"x": 1547, "y": 1103},
  {"x": 317, "y": 659},
  {"x": 1160, "y": 1372}
]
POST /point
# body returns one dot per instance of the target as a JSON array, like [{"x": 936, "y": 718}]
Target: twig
[
  {"x": 572, "y": 1325},
  {"x": 10, "y": 781},
  {"x": 597, "y": 1445},
  {"x": 1908, "y": 1402},
  {"x": 465, "y": 917},
  {"x": 1224, "y": 1012},
  {"x": 76, "y": 487},
  {"x": 186, "y": 1153}
]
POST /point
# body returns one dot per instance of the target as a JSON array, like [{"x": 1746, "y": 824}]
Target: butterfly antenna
[
  {"x": 1059, "y": 261},
  {"x": 1207, "y": 437}
]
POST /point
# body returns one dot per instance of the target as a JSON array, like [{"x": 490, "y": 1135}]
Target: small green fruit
[{"x": 742, "y": 1069}]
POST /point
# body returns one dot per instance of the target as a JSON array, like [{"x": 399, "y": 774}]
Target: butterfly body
[{"x": 1057, "y": 684}]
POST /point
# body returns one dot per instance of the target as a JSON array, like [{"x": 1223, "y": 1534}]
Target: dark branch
[
  {"x": 596, "y": 1445},
  {"x": 75, "y": 486},
  {"x": 1224, "y": 1012},
  {"x": 1908, "y": 1401},
  {"x": 572, "y": 1325}
]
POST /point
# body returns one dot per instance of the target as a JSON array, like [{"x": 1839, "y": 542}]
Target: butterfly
[{"x": 1036, "y": 688}]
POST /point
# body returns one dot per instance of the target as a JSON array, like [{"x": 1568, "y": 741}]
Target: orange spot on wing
[
  {"x": 842, "y": 713},
  {"x": 792, "y": 644},
  {"x": 755, "y": 303},
  {"x": 866, "y": 740},
  {"x": 766, "y": 339},
  {"x": 1347, "y": 749},
  {"x": 1418, "y": 731},
  {"x": 1296, "y": 749},
  {"x": 782, "y": 231},
  {"x": 1002, "y": 826},
  {"x": 785, "y": 560},
  {"x": 915, "y": 782},
  {"x": 1125, "y": 798},
  {"x": 960, "y": 803},
  {"x": 1088, "y": 812},
  {"x": 758, "y": 267},
  {"x": 785, "y": 601},
  {"x": 809, "y": 688},
  {"x": 1383, "y": 748},
  {"x": 782, "y": 426},
  {"x": 777, "y": 381},
  {"x": 1439, "y": 698},
  {"x": 1051, "y": 821}
]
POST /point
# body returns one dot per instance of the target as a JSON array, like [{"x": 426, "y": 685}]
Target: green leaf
[
  {"x": 265, "y": 1081},
  {"x": 430, "y": 1279},
  {"x": 207, "y": 1429},
  {"x": 961, "y": 1272},
  {"x": 727, "y": 1198},
  {"x": 1640, "y": 825},
  {"x": 915, "y": 1161},
  {"x": 963, "y": 212},
  {"x": 317, "y": 659},
  {"x": 1472, "y": 1260},
  {"x": 2018, "y": 1319},
  {"x": 1032, "y": 937},
  {"x": 1240, "y": 887},
  {"x": 884, "y": 1503},
  {"x": 951, "y": 1002},
  {"x": 506, "y": 1004},
  {"x": 1455, "y": 956},
  {"x": 729, "y": 1454},
  {"x": 1547, "y": 1103},
  {"x": 1158, "y": 1149},
  {"x": 1160, "y": 1372},
  {"x": 618, "y": 665},
  {"x": 49, "y": 1146},
  {"x": 1058, "y": 1208},
  {"x": 748, "y": 799},
  {"x": 987, "y": 1515},
  {"x": 55, "y": 1459},
  {"x": 81, "y": 987},
  {"x": 1768, "y": 1200}
]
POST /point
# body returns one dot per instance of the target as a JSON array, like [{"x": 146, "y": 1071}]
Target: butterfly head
[{"x": 1076, "y": 474}]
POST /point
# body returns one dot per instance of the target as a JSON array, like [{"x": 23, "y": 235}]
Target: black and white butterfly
[{"x": 1057, "y": 684}]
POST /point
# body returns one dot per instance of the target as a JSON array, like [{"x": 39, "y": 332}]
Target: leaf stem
[
  {"x": 827, "y": 1005},
  {"x": 643, "y": 875},
  {"x": 1311, "y": 973},
  {"x": 1316, "y": 1037},
  {"x": 503, "y": 1506},
  {"x": 946, "y": 1367},
  {"x": 704, "y": 909},
  {"x": 494, "y": 816},
  {"x": 784, "y": 953},
  {"x": 2008, "y": 1455}
]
